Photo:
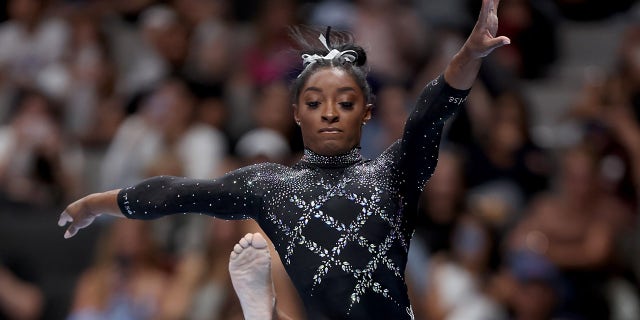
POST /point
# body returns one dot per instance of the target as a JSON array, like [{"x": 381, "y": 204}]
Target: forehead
[{"x": 330, "y": 79}]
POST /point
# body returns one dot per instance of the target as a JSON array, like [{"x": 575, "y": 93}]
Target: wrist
[
  {"x": 105, "y": 203},
  {"x": 466, "y": 56},
  {"x": 463, "y": 56},
  {"x": 462, "y": 70}
]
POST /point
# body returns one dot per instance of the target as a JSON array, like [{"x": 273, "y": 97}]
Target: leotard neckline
[{"x": 339, "y": 161}]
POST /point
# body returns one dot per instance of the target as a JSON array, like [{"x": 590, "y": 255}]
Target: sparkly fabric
[
  {"x": 343, "y": 160},
  {"x": 341, "y": 225}
]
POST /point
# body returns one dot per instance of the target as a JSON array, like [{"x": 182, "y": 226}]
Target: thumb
[
  {"x": 499, "y": 42},
  {"x": 493, "y": 44}
]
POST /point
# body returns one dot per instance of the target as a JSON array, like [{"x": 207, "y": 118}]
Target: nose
[{"x": 330, "y": 113}]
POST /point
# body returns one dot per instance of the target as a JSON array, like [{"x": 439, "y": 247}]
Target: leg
[{"x": 250, "y": 270}]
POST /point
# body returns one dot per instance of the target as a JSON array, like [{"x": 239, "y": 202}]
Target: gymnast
[{"x": 340, "y": 223}]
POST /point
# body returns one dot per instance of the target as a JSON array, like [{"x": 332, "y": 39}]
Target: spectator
[
  {"x": 38, "y": 165},
  {"x": 138, "y": 66},
  {"x": 574, "y": 228},
  {"x": 441, "y": 205},
  {"x": 126, "y": 280},
  {"x": 93, "y": 112},
  {"x": 268, "y": 58},
  {"x": 272, "y": 110},
  {"x": 506, "y": 151},
  {"x": 533, "y": 286},
  {"x": 32, "y": 46},
  {"x": 608, "y": 109},
  {"x": 212, "y": 44},
  {"x": 442, "y": 202},
  {"x": 166, "y": 34},
  {"x": 391, "y": 111},
  {"x": 457, "y": 281},
  {"x": 201, "y": 288},
  {"x": 164, "y": 126}
]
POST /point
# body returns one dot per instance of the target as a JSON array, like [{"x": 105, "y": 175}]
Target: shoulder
[
  {"x": 269, "y": 166},
  {"x": 388, "y": 158},
  {"x": 383, "y": 165}
]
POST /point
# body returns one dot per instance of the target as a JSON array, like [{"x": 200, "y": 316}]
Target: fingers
[
  {"x": 75, "y": 226},
  {"x": 485, "y": 10},
  {"x": 64, "y": 218},
  {"x": 78, "y": 222},
  {"x": 493, "y": 5},
  {"x": 71, "y": 231},
  {"x": 489, "y": 7}
]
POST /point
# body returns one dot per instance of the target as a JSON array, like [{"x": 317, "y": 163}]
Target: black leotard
[{"x": 341, "y": 224}]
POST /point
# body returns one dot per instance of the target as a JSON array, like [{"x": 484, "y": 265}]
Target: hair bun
[
  {"x": 362, "y": 56},
  {"x": 307, "y": 42}
]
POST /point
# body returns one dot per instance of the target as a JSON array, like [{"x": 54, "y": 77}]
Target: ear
[
  {"x": 367, "y": 112},
  {"x": 296, "y": 118}
]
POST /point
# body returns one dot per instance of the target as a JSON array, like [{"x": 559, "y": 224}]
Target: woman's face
[{"x": 331, "y": 111}]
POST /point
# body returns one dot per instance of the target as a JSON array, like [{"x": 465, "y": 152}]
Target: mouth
[{"x": 330, "y": 130}]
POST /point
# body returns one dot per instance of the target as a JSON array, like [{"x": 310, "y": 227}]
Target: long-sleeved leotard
[{"x": 341, "y": 224}]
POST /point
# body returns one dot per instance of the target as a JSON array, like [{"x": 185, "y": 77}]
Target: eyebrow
[
  {"x": 313, "y": 89},
  {"x": 345, "y": 89},
  {"x": 340, "y": 90}
]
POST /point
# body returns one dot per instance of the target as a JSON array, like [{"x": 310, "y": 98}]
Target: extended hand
[
  {"x": 482, "y": 40},
  {"x": 463, "y": 69},
  {"x": 81, "y": 213}
]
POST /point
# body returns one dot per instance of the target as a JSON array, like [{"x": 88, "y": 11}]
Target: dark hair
[{"x": 306, "y": 38}]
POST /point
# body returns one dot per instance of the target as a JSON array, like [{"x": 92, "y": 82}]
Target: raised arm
[
  {"x": 236, "y": 195},
  {"x": 442, "y": 97}
]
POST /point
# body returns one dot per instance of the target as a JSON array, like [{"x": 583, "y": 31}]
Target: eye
[
  {"x": 346, "y": 105},
  {"x": 313, "y": 104}
]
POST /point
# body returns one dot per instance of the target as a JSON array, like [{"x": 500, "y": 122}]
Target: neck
[{"x": 342, "y": 160}]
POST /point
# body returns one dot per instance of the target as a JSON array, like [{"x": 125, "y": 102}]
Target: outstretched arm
[
  {"x": 463, "y": 68},
  {"x": 236, "y": 195}
]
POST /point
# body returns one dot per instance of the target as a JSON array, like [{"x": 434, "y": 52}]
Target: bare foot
[{"x": 250, "y": 270}]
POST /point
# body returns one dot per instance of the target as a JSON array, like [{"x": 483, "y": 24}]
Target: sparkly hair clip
[{"x": 344, "y": 56}]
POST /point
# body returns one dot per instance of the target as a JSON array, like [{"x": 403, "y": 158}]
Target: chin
[{"x": 331, "y": 148}]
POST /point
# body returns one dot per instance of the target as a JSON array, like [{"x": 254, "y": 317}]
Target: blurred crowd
[{"x": 99, "y": 94}]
